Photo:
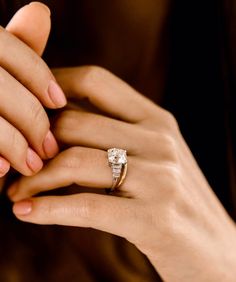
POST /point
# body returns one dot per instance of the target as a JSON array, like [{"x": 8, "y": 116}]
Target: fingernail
[
  {"x": 12, "y": 190},
  {"x": 33, "y": 161},
  {"x": 50, "y": 145},
  {"x": 22, "y": 208},
  {"x": 42, "y": 5},
  {"x": 56, "y": 94},
  {"x": 4, "y": 167}
]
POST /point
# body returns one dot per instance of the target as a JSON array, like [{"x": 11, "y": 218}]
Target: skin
[
  {"x": 25, "y": 136},
  {"x": 165, "y": 206}
]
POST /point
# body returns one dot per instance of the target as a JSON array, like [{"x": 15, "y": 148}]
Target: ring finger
[{"x": 83, "y": 166}]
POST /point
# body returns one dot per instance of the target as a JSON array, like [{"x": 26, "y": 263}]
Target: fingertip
[
  {"x": 50, "y": 145},
  {"x": 4, "y": 167},
  {"x": 41, "y": 5},
  {"x": 11, "y": 191},
  {"x": 23, "y": 208},
  {"x": 33, "y": 161},
  {"x": 32, "y": 25}
]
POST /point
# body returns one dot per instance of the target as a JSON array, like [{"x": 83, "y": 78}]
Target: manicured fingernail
[
  {"x": 22, "y": 208},
  {"x": 42, "y": 5},
  {"x": 56, "y": 94},
  {"x": 4, "y": 167},
  {"x": 33, "y": 161},
  {"x": 12, "y": 190},
  {"x": 50, "y": 145}
]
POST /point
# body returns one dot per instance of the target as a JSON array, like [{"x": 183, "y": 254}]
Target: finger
[
  {"x": 96, "y": 131},
  {"x": 35, "y": 34},
  {"x": 85, "y": 167},
  {"x": 105, "y": 91},
  {"x": 110, "y": 214},
  {"x": 28, "y": 68},
  {"x": 27, "y": 112},
  {"x": 4, "y": 167},
  {"x": 14, "y": 148}
]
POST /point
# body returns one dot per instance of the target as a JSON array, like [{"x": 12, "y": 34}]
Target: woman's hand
[
  {"x": 26, "y": 85},
  {"x": 165, "y": 206}
]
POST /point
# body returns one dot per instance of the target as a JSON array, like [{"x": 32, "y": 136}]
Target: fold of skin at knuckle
[
  {"x": 47, "y": 211},
  {"x": 71, "y": 160},
  {"x": 86, "y": 208},
  {"x": 65, "y": 122},
  {"x": 169, "y": 121},
  {"x": 38, "y": 120},
  {"x": 17, "y": 143},
  {"x": 160, "y": 146},
  {"x": 90, "y": 77}
]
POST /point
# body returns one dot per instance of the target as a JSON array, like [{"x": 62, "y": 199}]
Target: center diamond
[{"x": 117, "y": 156}]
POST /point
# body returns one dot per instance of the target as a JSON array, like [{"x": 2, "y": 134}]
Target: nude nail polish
[
  {"x": 50, "y": 145},
  {"x": 12, "y": 190},
  {"x": 4, "y": 167},
  {"x": 23, "y": 207},
  {"x": 33, "y": 161},
  {"x": 56, "y": 94}
]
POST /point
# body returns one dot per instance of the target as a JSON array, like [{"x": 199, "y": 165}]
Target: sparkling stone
[{"x": 117, "y": 156}]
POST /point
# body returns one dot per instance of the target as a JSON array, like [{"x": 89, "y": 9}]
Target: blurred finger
[
  {"x": 96, "y": 131},
  {"x": 105, "y": 91}
]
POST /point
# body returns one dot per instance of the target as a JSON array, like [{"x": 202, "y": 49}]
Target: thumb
[{"x": 32, "y": 25}]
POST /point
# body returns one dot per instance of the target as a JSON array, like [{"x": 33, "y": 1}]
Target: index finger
[{"x": 28, "y": 68}]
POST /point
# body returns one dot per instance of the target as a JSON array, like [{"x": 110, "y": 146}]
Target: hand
[
  {"x": 26, "y": 84},
  {"x": 165, "y": 206}
]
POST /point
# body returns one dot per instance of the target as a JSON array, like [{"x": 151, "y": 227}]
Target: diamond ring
[{"x": 117, "y": 160}]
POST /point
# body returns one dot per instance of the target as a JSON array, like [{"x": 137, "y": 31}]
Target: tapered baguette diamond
[
  {"x": 117, "y": 159},
  {"x": 117, "y": 156}
]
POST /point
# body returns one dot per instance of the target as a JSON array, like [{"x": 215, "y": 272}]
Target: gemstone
[{"x": 117, "y": 156}]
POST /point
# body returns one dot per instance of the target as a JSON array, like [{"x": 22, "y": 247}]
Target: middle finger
[{"x": 19, "y": 107}]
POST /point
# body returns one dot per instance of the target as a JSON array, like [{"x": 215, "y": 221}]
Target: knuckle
[
  {"x": 70, "y": 159},
  {"x": 37, "y": 113},
  {"x": 14, "y": 139},
  {"x": 170, "y": 148},
  {"x": 63, "y": 123},
  {"x": 171, "y": 181},
  {"x": 49, "y": 209},
  {"x": 91, "y": 75},
  {"x": 170, "y": 120},
  {"x": 167, "y": 144},
  {"x": 87, "y": 207}
]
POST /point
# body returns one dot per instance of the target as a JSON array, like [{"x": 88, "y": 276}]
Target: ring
[{"x": 117, "y": 160}]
